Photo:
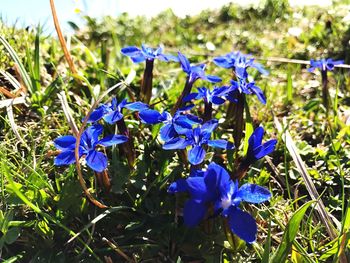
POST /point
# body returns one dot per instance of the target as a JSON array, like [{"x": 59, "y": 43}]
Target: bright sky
[{"x": 31, "y": 12}]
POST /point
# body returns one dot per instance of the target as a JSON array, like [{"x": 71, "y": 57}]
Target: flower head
[
  {"x": 215, "y": 187},
  {"x": 215, "y": 96},
  {"x": 173, "y": 125},
  {"x": 240, "y": 62},
  {"x": 197, "y": 138},
  {"x": 112, "y": 112},
  {"x": 195, "y": 72},
  {"x": 97, "y": 161},
  {"x": 147, "y": 53},
  {"x": 242, "y": 86},
  {"x": 257, "y": 149},
  {"x": 324, "y": 64}
]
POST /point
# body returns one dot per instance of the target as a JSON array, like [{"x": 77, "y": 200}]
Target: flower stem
[
  {"x": 208, "y": 110},
  {"x": 325, "y": 91},
  {"x": 185, "y": 92},
  {"x": 146, "y": 85},
  {"x": 238, "y": 125},
  {"x": 128, "y": 147}
]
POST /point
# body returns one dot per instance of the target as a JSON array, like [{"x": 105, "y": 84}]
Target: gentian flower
[
  {"x": 112, "y": 112},
  {"x": 147, "y": 53},
  {"x": 173, "y": 126},
  {"x": 197, "y": 138},
  {"x": 257, "y": 149},
  {"x": 324, "y": 64},
  {"x": 97, "y": 161},
  {"x": 239, "y": 62},
  {"x": 214, "y": 96},
  {"x": 195, "y": 72},
  {"x": 247, "y": 88},
  {"x": 215, "y": 187}
]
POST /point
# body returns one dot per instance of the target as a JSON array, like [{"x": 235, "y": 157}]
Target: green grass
[{"x": 43, "y": 206}]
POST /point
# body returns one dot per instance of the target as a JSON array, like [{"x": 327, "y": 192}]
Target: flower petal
[
  {"x": 194, "y": 212},
  {"x": 196, "y": 155},
  {"x": 209, "y": 126},
  {"x": 223, "y": 144},
  {"x": 168, "y": 57},
  {"x": 150, "y": 116},
  {"x": 191, "y": 96},
  {"x": 185, "y": 64},
  {"x": 138, "y": 59},
  {"x": 216, "y": 178},
  {"x": 179, "y": 186},
  {"x": 90, "y": 136},
  {"x": 256, "y": 138},
  {"x": 136, "y": 106},
  {"x": 197, "y": 188},
  {"x": 167, "y": 132},
  {"x": 65, "y": 142},
  {"x": 267, "y": 148},
  {"x": 253, "y": 193},
  {"x": 217, "y": 100},
  {"x": 258, "y": 92},
  {"x": 113, "y": 117},
  {"x": 97, "y": 114},
  {"x": 65, "y": 158},
  {"x": 242, "y": 224},
  {"x": 97, "y": 161},
  {"x": 223, "y": 62},
  {"x": 214, "y": 79},
  {"x": 131, "y": 51},
  {"x": 176, "y": 143},
  {"x": 112, "y": 140},
  {"x": 260, "y": 68}
]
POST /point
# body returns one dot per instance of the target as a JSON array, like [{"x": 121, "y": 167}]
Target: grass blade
[
  {"x": 22, "y": 71},
  {"x": 325, "y": 218},
  {"x": 289, "y": 234}
]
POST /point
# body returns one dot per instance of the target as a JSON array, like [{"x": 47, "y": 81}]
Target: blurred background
[{"x": 24, "y": 13}]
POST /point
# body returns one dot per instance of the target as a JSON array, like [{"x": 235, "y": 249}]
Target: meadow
[{"x": 220, "y": 146}]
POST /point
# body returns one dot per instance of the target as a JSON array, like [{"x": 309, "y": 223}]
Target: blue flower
[
  {"x": 112, "y": 112},
  {"x": 97, "y": 161},
  {"x": 256, "y": 149},
  {"x": 197, "y": 138},
  {"x": 239, "y": 62},
  {"x": 247, "y": 88},
  {"x": 147, "y": 53},
  {"x": 173, "y": 126},
  {"x": 195, "y": 72},
  {"x": 214, "y": 96},
  {"x": 215, "y": 187},
  {"x": 324, "y": 64}
]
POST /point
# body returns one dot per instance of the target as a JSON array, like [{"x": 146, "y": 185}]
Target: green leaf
[
  {"x": 289, "y": 234},
  {"x": 248, "y": 129},
  {"x": 12, "y": 235},
  {"x": 14, "y": 56},
  {"x": 266, "y": 255}
]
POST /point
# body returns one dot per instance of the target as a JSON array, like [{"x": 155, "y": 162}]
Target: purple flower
[
  {"x": 324, "y": 64},
  {"x": 215, "y": 96},
  {"x": 197, "y": 138},
  {"x": 97, "y": 161},
  {"x": 257, "y": 149},
  {"x": 215, "y": 187},
  {"x": 112, "y": 112},
  {"x": 239, "y": 62},
  {"x": 247, "y": 88},
  {"x": 173, "y": 125},
  {"x": 195, "y": 72},
  {"x": 147, "y": 53}
]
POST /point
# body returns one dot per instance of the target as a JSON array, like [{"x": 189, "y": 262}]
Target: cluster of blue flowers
[{"x": 181, "y": 130}]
